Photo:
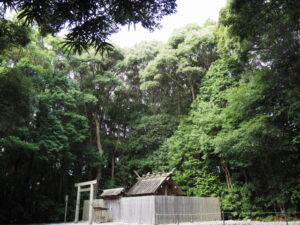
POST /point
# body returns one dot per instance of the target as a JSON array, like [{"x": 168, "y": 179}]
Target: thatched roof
[
  {"x": 112, "y": 192},
  {"x": 150, "y": 183}
]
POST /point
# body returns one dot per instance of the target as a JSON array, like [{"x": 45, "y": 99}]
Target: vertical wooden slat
[
  {"x": 91, "y": 204},
  {"x": 77, "y": 205}
]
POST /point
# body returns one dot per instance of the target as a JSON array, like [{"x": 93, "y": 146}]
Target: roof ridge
[{"x": 154, "y": 175}]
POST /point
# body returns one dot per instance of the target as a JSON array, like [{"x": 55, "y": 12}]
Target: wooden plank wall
[
  {"x": 113, "y": 212},
  {"x": 138, "y": 210},
  {"x": 176, "y": 209},
  {"x": 96, "y": 213}
]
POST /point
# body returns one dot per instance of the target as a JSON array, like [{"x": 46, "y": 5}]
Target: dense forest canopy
[
  {"x": 220, "y": 102},
  {"x": 90, "y": 22}
]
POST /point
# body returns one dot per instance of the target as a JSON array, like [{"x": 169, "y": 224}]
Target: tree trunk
[
  {"x": 98, "y": 137},
  {"x": 226, "y": 170},
  {"x": 191, "y": 87},
  {"x": 100, "y": 150},
  {"x": 178, "y": 105},
  {"x": 245, "y": 176},
  {"x": 193, "y": 93},
  {"x": 98, "y": 178},
  {"x": 113, "y": 155},
  {"x": 113, "y": 165}
]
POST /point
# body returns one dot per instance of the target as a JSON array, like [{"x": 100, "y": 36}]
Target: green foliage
[
  {"x": 142, "y": 153},
  {"x": 16, "y": 99},
  {"x": 95, "y": 20},
  {"x": 12, "y": 35},
  {"x": 42, "y": 135},
  {"x": 178, "y": 69},
  {"x": 237, "y": 202},
  {"x": 149, "y": 132},
  {"x": 191, "y": 149}
]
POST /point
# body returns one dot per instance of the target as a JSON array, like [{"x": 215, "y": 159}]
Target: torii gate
[{"x": 91, "y": 190}]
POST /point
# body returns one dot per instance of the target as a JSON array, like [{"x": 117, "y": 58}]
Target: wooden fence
[
  {"x": 159, "y": 209},
  {"x": 178, "y": 209},
  {"x": 139, "y": 210}
]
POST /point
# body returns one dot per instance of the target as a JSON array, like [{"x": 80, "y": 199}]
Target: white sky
[{"x": 188, "y": 11}]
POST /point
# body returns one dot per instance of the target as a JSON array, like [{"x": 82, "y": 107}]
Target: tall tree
[{"x": 177, "y": 71}]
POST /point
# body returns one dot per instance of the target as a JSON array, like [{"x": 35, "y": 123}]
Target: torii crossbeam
[{"x": 91, "y": 190}]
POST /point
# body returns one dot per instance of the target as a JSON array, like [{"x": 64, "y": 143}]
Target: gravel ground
[{"x": 228, "y": 222}]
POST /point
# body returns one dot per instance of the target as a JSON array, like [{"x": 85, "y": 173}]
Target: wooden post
[
  {"x": 77, "y": 205},
  {"x": 286, "y": 217},
  {"x": 91, "y": 204},
  {"x": 66, "y": 207}
]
